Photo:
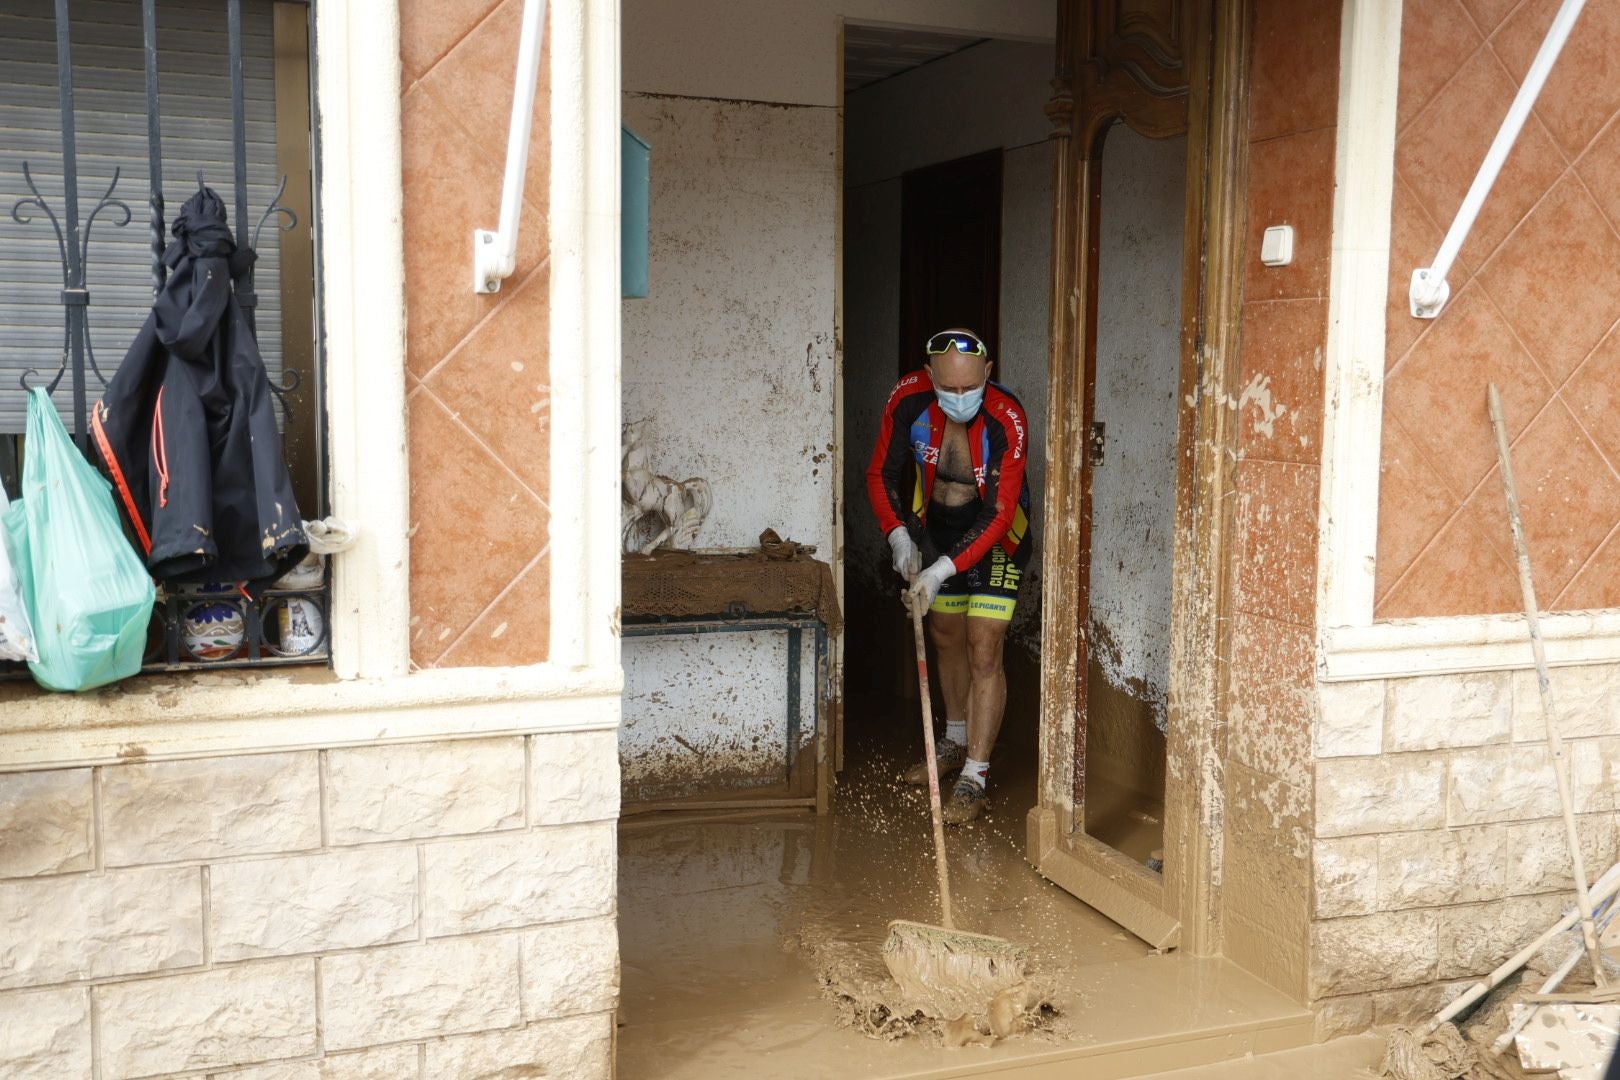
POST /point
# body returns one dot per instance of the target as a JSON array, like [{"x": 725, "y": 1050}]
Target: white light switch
[{"x": 1277, "y": 249}]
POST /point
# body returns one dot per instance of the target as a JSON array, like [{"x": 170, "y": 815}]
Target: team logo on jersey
[
  {"x": 1018, "y": 429},
  {"x": 904, "y": 386}
]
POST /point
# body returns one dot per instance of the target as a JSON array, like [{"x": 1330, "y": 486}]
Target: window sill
[
  {"x": 159, "y": 717},
  {"x": 1443, "y": 646}
]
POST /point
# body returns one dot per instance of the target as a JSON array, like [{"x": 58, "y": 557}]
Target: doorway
[
  {"x": 950, "y": 253},
  {"x": 946, "y": 222},
  {"x": 1131, "y": 707},
  {"x": 740, "y": 927}
]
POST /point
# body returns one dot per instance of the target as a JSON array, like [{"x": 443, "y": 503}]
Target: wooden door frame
[{"x": 1175, "y": 908}]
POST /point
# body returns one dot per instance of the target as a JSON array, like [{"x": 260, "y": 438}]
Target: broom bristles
[
  {"x": 1442, "y": 1054},
  {"x": 933, "y": 963}
]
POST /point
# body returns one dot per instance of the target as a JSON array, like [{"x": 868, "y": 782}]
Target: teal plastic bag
[{"x": 85, "y": 589}]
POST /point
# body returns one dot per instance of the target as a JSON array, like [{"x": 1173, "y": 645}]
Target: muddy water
[
  {"x": 732, "y": 930},
  {"x": 1125, "y": 767}
]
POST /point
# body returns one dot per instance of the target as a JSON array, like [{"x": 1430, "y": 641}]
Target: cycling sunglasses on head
[{"x": 960, "y": 340}]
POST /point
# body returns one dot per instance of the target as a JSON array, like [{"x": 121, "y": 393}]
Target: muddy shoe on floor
[
  {"x": 950, "y": 757},
  {"x": 965, "y": 803}
]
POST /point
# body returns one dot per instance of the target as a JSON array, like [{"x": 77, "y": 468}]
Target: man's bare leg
[
  {"x": 950, "y": 636},
  {"x": 988, "y": 684},
  {"x": 987, "y": 700}
]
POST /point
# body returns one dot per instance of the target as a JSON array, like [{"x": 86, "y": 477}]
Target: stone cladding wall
[
  {"x": 441, "y": 909},
  {"x": 1439, "y": 847}
]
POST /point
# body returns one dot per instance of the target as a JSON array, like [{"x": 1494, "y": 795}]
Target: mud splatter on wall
[
  {"x": 730, "y": 359},
  {"x": 1268, "y": 815},
  {"x": 1133, "y": 493},
  {"x": 704, "y": 713},
  {"x": 731, "y": 355}
]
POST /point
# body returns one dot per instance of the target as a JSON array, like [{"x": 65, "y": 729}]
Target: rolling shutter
[{"x": 110, "y": 113}]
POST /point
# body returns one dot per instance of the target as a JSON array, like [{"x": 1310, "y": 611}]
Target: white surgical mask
[{"x": 961, "y": 407}]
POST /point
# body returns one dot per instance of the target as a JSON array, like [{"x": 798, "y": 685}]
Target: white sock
[
  {"x": 976, "y": 771},
  {"x": 956, "y": 732}
]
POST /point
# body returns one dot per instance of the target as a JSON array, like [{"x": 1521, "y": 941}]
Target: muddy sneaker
[
  {"x": 950, "y": 757},
  {"x": 966, "y": 802}
]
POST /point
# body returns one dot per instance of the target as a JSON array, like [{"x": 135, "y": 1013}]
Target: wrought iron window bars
[{"x": 193, "y": 626}]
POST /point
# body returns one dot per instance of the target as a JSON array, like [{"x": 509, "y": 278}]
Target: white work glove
[
  {"x": 925, "y": 587},
  {"x": 907, "y": 559}
]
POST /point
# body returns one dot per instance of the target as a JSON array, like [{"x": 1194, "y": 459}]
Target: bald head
[{"x": 957, "y": 372}]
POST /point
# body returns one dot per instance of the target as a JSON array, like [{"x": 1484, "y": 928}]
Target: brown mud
[
  {"x": 740, "y": 915},
  {"x": 871, "y": 1002},
  {"x": 1126, "y": 757},
  {"x": 751, "y": 942}
]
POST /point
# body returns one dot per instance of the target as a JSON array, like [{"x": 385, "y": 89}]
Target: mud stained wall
[
  {"x": 1443, "y": 542},
  {"x": 730, "y": 360},
  {"x": 1138, "y": 368},
  {"x": 989, "y": 96},
  {"x": 478, "y": 382},
  {"x": 730, "y": 356},
  {"x": 1265, "y": 871},
  {"x": 710, "y": 712}
]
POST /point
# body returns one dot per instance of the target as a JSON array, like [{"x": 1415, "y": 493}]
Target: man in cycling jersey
[{"x": 946, "y": 481}]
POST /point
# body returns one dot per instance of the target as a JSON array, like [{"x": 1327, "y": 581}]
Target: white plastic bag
[{"x": 16, "y": 635}]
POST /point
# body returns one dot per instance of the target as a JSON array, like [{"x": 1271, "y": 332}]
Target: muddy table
[{"x": 673, "y": 593}]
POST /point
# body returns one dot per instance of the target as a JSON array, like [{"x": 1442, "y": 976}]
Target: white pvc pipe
[
  {"x": 1429, "y": 285},
  {"x": 495, "y": 253}
]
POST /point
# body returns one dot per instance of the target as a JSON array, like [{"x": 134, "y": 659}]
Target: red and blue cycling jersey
[{"x": 909, "y": 438}]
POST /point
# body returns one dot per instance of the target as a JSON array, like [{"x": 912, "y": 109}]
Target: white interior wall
[
  {"x": 989, "y": 96},
  {"x": 730, "y": 356},
  {"x": 1133, "y": 494}
]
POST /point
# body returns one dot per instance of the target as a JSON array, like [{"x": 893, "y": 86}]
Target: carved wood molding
[{"x": 1133, "y": 59}]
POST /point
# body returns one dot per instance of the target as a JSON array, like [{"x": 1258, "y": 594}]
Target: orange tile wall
[
  {"x": 1535, "y": 304},
  {"x": 477, "y": 365},
  {"x": 1292, "y": 124}
]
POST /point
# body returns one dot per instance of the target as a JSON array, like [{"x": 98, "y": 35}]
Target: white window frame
[
  {"x": 375, "y": 697},
  {"x": 361, "y": 207},
  {"x": 1352, "y": 645},
  {"x": 363, "y": 285}
]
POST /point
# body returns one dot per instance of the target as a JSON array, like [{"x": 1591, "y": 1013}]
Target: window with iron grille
[{"x": 96, "y": 98}]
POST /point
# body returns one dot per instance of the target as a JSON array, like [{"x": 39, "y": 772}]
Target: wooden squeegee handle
[
  {"x": 940, "y": 866},
  {"x": 1555, "y": 742}
]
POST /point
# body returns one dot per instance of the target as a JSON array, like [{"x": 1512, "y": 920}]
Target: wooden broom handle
[
  {"x": 1555, "y": 742},
  {"x": 940, "y": 866}
]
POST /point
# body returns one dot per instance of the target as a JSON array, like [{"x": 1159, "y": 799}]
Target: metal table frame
[{"x": 795, "y": 624}]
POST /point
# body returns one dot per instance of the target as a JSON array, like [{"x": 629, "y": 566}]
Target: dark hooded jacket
[{"x": 186, "y": 428}]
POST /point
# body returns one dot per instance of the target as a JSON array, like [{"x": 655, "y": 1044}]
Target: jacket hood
[{"x": 203, "y": 261}]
